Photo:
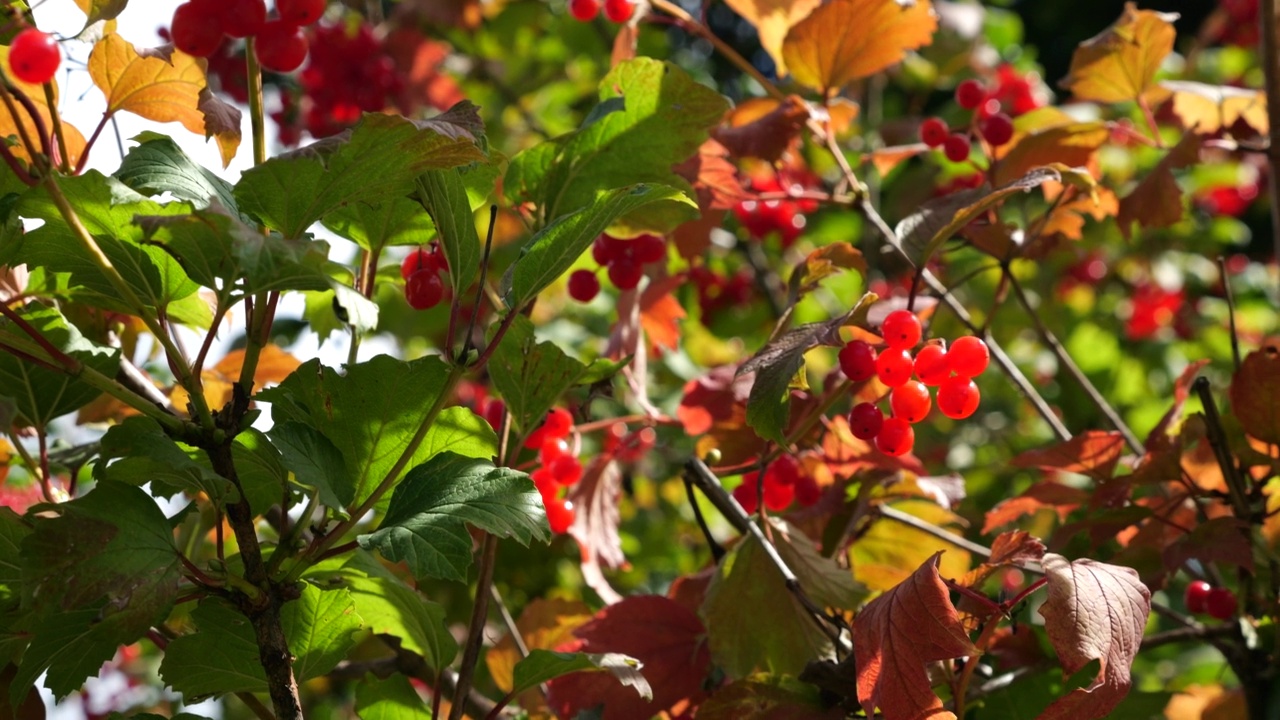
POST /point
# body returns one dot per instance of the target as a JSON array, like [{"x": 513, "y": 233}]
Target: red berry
[
  {"x": 911, "y": 401},
  {"x": 546, "y": 485},
  {"x": 894, "y": 367},
  {"x": 584, "y": 10},
  {"x": 747, "y": 493},
  {"x": 901, "y": 329},
  {"x": 551, "y": 449},
  {"x": 625, "y": 274},
  {"x": 280, "y": 46},
  {"x": 958, "y": 398},
  {"x": 196, "y": 29},
  {"x": 969, "y": 94},
  {"x": 560, "y": 515},
  {"x": 619, "y": 11},
  {"x": 34, "y": 56},
  {"x": 997, "y": 129},
  {"x": 606, "y": 249},
  {"x": 583, "y": 285},
  {"x": 493, "y": 412},
  {"x": 778, "y": 497},
  {"x": 648, "y": 248},
  {"x": 566, "y": 470},
  {"x": 896, "y": 437},
  {"x": 968, "y": 356},
  {"x": 424, "y": 290},
  {"x": 300, "y": 12},
  {"x": 931, "y": 365},
  {"x": 419, "y": 260},
  {"x": 242, "y": 18},
  {"x": 858, "y": 361},
  {"x": 1196, "y": 596},
  {"x": 865, "y": 421},
  {"x": 783, "y": 471},
  {"x": 956, "y": 147},
  {"x": 934, "y": 131},
  {"x": 1220, "y": 604}
]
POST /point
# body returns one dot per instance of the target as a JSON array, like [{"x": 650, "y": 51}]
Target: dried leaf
[
  {"x": 1094, "y": 611},
  {"x": 711, "y": 170},
  {"x": 221, "y": 121},
  {"x": 1209, "y": 109},
  {"x": 1093, "y": 453},
  {"x": 897, "y": 635},
  {"x": 772, "y": 20},
  {"x": 595, "y": 524},
  {"x": 1157, "y": 200},
  {"x": 750, "y": 133},
  {"x": 1120, "y": 64},
  {"x": 1255, "y": 394},
  {"x": 624, "y": 45},
  {"x": 845, "y": 40}
]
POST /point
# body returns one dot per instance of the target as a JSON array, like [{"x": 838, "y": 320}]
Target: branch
[
  {"x": 1269, "y": 54},
  {"x": 479, "y": 617}
]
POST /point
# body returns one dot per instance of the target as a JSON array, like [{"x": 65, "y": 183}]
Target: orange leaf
[
  {"x": 1120, "y": 64},
  {"x": 748, "y": 132},
  {"x": 274, "y": 365},
  {"x": 773, "y": 18},
  {"x": 886, "y": 159},
  {"x": 1093, "y": 453},
  {"x": 1255, "y": 394},
  {"x": 661, "y": 313},
  {"x": 8, "y": 126},
  {"x": 1157, "y": 200},
  {"x": 845, "y": 40},
  {"x": 1048, "y": 137},
  {"x": 1210, "y": 108},
  {"x": 1041, "y": 496}
]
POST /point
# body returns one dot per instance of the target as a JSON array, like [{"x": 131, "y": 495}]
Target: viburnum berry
[
  {"x": 934, "y": 131},
  {"x": 625, "y": 274},
  {"x": 619, "y": 11},
  {"x": 858, "y": 360},
  {"x": 931, "y": 365},
  {"x": 196, "y": 28},
  {"x": 970, "y": 94},
  {"x": 896, "y": 437},
  {"x": 551, "y": 449},
  {"x": 566, "y": 470},
  {"x": 300, "y": 12},
  {"x": 421, "y": 259},
  {"x": 783, "y": 471},
  {"x": 560, "y": 515},
  {"x": 894, "y": 366},
  {"x": 901, "y": 329},
  {"x": 583, "y": 285},
  {"x": 865, "y": 421},
  {"x": 606, "y": 249},
  {"x": 34, "y": 56},
  {"x": 747, "y": 494},
  {"x": 424, "y": 290},
  {"x": 1196, "y": 596},
  {"x": 958, "y": 397},
  {"x": 808, "y": 492},
  {"x": 956, "y": 147},
  {"x": 968, "y": 356},
  {"x": 1220, "y": 604},
  {"x": 911, "y": 401},
  {"x": 648, "y": 248},
  {"x": 584, "y": 10},
  {"x": 997, "y": 129},
  {"x": 242, "y": 18},
  {"x": 778, "y": 497},
  {"x": 281, "y": 46}
]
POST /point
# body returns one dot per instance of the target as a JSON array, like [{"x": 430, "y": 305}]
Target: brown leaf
[
  {"x": 1016, "y": 548},
  {"x": 222, "y": 121},
  {"x": 1157, "y": 200},
  {"x": 1045, "y": 495},
  {"x": 772, "y": 19},
  {"x": 1120, "y": 64},
  {"x": 763, "y": 127},
  {"x": 624, "y": 45},
  {"x": 752, "y": 700},
  {"x": 821, "y": 264},
  {"x": 595, "y": 523},
  {"x": 1094, "y": 611},
  {"x": 1208, "y": 109},
  {"x": 711, "y": 170},
  {"x": 845, "y": 40},
  {"x": 1255, "y": 394},
  {"x": 900, "y": 633},
  {"x": 1223, "y": 539},
  {"x": 1093, "y": 453}
]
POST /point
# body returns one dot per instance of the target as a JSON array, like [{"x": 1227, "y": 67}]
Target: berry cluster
[
  {"x": 623, "y": 260},
  {"x": 559, "y": 468},
  {"x": 34, "y": 56},
  {"x": 1203, "y": 598},
  {"x": 989, "y": 120},
  {"x": 349, "y": 73},
  {"x": 618, "y": 11},
  {"x": 784, "y": 482},
  {"x": 787, "y": 218},
  {"x": 951, "y": 371},
  {"x": 199, "y": 26},
  {"x": 717, "y": 292},
  {"x": 423, "y": 287}
]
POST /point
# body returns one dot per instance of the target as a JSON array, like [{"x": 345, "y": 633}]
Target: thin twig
[
  {"x": 479, "y": 616},
  {"x": 912, "y": 521},
  {"x": 253, "y": 703},
  {"x": 1231, "y": 310},
  {"x": 1236, "y": 489},
  {"x": 469, "y": 341},
  {"x": 717, "y": 550}
]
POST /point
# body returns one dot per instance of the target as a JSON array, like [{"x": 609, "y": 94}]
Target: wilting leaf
[
  {"x": 1255, "y": 390},
  {"x": 1120, "y": 63},
  {"x": 845, "y": 40}
]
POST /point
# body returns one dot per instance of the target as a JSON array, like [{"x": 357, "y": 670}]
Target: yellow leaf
[
  {"x": 1048, "y": 137},
  {"x": 773, "y": 18},
  {"x": 845, "y": 40},
  {"x": 1210, "y": 108},
  {"x": 1120, "y": 64},
  {"x": 8, "y": 126},
  {"x": 889, "y": 551},
  {"x": 274, "y": 365}
]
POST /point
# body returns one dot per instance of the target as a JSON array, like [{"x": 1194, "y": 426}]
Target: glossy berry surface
[
  {"x": 934, "y": 131},
  {"x": 424, "y": 290},
  {"x": 956, "y": 147},
  {"x": 970, "y": 94},
  {"x": 648, "y": 248},
  {"x": 34, "y": 56},
  {"x": 565, "y": 469},
  {"x": 281, "y": 47},
  {"x": 196, "y": 29},
  {"x": 958, "y": 398},
  {"x": 747, "y": 494},
  {"x": 1196, "y": 596},
  {"x": 778, "y": 497},
  {"x": 896, "y": 437},
  {"x": 560, "y": 515},
  {"x": 968, "y": 356},
  {"x": 421, "y": 259},
  {"x": 625, "y": 274},
  {"x": 997, "y": 129},
  {"x": 865, "y": 421},
  {"x": 911, "y": 401},
  {"x": 858, "y": 361},
  {"x": 583, "y": 285},
  {"x": 894, "y": 367},
  {"x": 300, "y": 12},
  {"x": 619, "y": 11},
  {"x": 606, "y": 249},
  {"x": 931, "y": 365},
  {"x": 901, "y": 329},
  {"x": 584, "y": 10},
  {"x": 1220, "y": 604},
  {"x": 242, "y": 18}
]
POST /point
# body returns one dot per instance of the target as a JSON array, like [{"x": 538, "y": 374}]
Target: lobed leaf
[
  {"x": 1120, "y": 63},
  {"x": 846, "y": 40}
]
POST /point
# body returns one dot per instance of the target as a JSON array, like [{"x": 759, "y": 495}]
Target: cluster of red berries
[
  {"x": 717, "y": 292},
  {"x": 623, "y": 260},
  {"x": 787, "y": 218},
  {"x": 199, "y": 26},
  {"x": 423, "y": 286},
  {"x": 784, "y": 482},
  {"x": 1203, "y": 598},
  {"x": 991, "y": 123},
  {"x": 349, "y": 73},
  {"x": 618, "y": 11},
  {"x": 950, "y": 370},
  {"x": 559, "y": 468},
  {"x": 34, "y": 56}
]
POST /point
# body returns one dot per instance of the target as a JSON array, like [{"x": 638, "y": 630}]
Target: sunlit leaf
[
  {"x": 773, "y": 19},
  {"x": 160, "y": 85},
  {"x": 9, "y": 128},
  {"x": 845, "y": 40},
  {"x": 1157, "y": 201},
  {"x": 1120, "y": 63}
]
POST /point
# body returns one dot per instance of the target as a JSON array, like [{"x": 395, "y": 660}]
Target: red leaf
[
  {"x": 897, "y": 635},
  {"x": 1254, "y": 392},
  {"x": 718, "y": 397},
  {"x": 1043, "y": 495},
  {"x": 1093, "y": 453},
  {"x": 1223, "y": 539},
  {"x": 1017, "y": 547},
  {"x": 595, "y": 523},
  {"x": 661, "y": 313},
  {"x": 712, "y": 171},
  {"x": 1095, "y": 611},
  {"x": 664, "y": 635},
  {"x": 751, "y": 132}
]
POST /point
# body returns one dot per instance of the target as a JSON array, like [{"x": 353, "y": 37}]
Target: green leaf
[
  {"x": 137, "y": 451},
  {"x": 444, "y": 195},
  {"x": 556, "y": 247},
  {"x": 40, "y": 394},
  {"x": 425, "y": 525},
  {"x": 320, "y": 627},
  {"x": 776, "y": 366},
  {"x": 374, "y": 226},
  {"x": 12, "y": 532},
  {"x": 543, "y": 665},
  {"x": 157, "y": 165},
  {"x": 653, "y": 115},
  {"x": 379, "y": 158},
  {"x": 372, "y": 412},
  {"x": 529, "y": 375},
  {"x": 315, "y": 461},
  {"x": 390, "y": 699},
  {"x": 262, "y": 474},
  {"x": 71, "y": 646}
]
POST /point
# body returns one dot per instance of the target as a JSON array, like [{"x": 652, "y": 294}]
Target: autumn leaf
[
  {"x": 897, "y": 635},
  {"x": 1120, "y": 63},
  {"x": 884, "y": 160},
  {"x": 766, "y": 697},
  {"x": 1210, "y": 108},
  {"x": 544, "y": 624},
  {"x": 1048, "y": 137},
  {"x": 845, "y": 40},
  {"x": 274, "y": 365},
  {"x": 883, "y": 557},
  {"x": 772, "y": 19},
  {"x": 595, "y": 524},
  {"x": 1094, "y": 611},
  {"x": 713, "y": 172},
  {"x": 1157, "y": 200},
  {"x": 661, "y": 313},
  {"x": 1046, "y": 495},
  {"x": 821, "y": 264},
  {"x": 1218, "y": 540},
  {"x": 1254, "y": 392},
  {"x": 9, "y": 127},
  {"x": 763, "y": 127},
  {"x": 1014, "y": 548},
  {"x": 221, "y": 121},
  {"x": 1093, "y": 453}
]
